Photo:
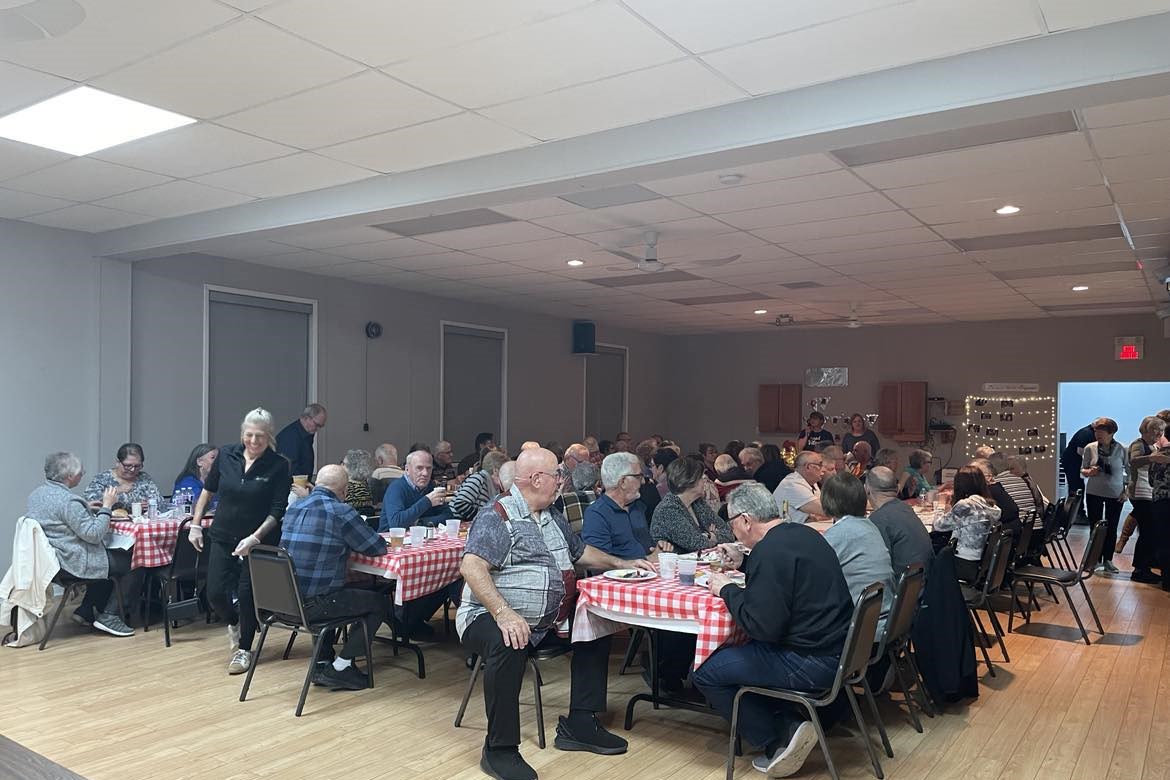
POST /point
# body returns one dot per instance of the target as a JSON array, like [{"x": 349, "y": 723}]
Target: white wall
[
  {"x": 545, "y": 381},
  {"x": 65, "y": 349}
]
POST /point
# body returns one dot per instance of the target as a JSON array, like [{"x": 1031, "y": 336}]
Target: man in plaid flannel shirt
[{"x": 320, "y": 532}]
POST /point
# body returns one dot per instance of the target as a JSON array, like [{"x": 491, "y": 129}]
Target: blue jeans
[{"x": 764, "y": 722}]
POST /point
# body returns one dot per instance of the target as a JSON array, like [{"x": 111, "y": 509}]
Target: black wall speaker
[{"x": 584, "y": 337}]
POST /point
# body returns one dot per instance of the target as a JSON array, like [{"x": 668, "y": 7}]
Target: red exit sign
[{"x": 1128, "y": 348}]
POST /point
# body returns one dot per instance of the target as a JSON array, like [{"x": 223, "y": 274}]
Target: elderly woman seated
[
  {"x": 357, "y": 491},
  {"x": 683, "y": 518},
  {"x": 77, "y": 532},
  {"x": 133, "y": 485},
  {"x": 730, "y": 475}
]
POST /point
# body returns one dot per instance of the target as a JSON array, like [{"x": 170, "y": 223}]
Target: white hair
[
  {"x": 262, "y": 419},
  {"x": 507, "y": 475},
  {"x": 62, "y": 466},
  {"x": 416, "y": 455},
  {"x": 357, "y": 463},
  {"x": 753, "y": 499},
  {"x": 617, "y": 465}
]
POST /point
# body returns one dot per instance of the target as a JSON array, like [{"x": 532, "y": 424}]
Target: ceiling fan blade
[
  {"x": 713, "y": 263},
  {"x": 624, "y": 255},
  {"x": 621, "y": 268}
]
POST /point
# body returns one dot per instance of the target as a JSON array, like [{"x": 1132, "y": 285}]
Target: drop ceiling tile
[
  {"x": 452, "y": 138},
  {"x": 385, "y": 250},
  {"x": 1137, "y": 167},
  {"x": 23, "y": 87},
  {"x": 909, "y": 32},
  {"x": 301, "y": 260},
  {"x": 849, "y": 226},
  {"x": 913, "y": 235},
  {"x": 812, "y": 211},
  {"x": 83, "y": 178},
  {"x": 116, "y": 32},
  {"x": 667, "y": 231},
  {"x": 550, "y": 252},
  {"x": 249, "y": 5},
  {"x": 1034, "y": 203},
  {"x": 193, "y": 151},
  {"x": 477, "y": 273},
  {"x": 534, "y": 209},
  {"x": 906, "y": 268},
  {"x": 357, "y": 270},
  {"x": 1072, "y": 14},
  {"x": 869, "y": 254},
  {"x": 1130, "y": 112},
  {"x": 285, "y": 176},
  {"x": 228, "y": 70},
  {"x": 753, "y": 173},
  {"x": 310, "y": 236},
  {"x": 423, "y": 263},
  {"x": 17, "y": 205},
  {"x": 772, "y": 193},
  {"x": 362, "y": 105},
  {"x": 626, "y": 99},
  {"x": 378, "y": 33},
  {"x": 584, "y": 45},
  {"x": 630, "y": 215},
  {"x": 87, "y": 218},
  {"x": 1002, "y": 185},
  {"x": 701, "y": 248},
  {"x": 242, "y": 248},
  {"x": 17, "y": 159},
  {"x": 174, "y": 199},
  {"x": 1027, "y": 223},
  {"x": 1128, "y": 140},
  {"x": 490, "y": 235}
]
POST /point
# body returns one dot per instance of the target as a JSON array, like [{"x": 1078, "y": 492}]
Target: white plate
[
  {"x": 711, "y": 556},
  {"x": 738, "y": 578},
  {"x": 630, "y": 575}
]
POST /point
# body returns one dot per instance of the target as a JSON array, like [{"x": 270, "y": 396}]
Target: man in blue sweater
[{"x": 414, "y": 500}]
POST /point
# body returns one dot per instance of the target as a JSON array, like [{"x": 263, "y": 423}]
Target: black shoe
[
  {"x": 423, "y": 632},
  {"x": 592, "y": 738},
  {"x": 505, "y": 764},
  {"x": 1146, "y": 576},
  {"x": 317, "y": 671},
  {"x": 349, "y": 679}
]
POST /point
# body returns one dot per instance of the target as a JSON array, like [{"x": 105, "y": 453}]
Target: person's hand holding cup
[{"x": 437, "y": 496}]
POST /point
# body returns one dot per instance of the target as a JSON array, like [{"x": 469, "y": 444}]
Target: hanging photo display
[{"x": 1021, "y": 426}]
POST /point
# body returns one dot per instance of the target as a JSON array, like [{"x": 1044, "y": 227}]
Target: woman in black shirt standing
[{"x": 252, "y": 482}]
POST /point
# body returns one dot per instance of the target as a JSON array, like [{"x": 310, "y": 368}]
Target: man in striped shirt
[
  {"x": 1016, "y": 487},
  {"x": 478, "y": 489}
]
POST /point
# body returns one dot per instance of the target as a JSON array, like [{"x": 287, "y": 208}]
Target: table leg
[{"x": 656, "y": 696}]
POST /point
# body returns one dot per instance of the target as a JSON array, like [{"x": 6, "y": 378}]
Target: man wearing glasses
[
  {"x": 518, "y": 567},
  {"x": 798, "y": 496},
  {"x": 616, "y": 521},
  {"x": 295, "y": 440}
]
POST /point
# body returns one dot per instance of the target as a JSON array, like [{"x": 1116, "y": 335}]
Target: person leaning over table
[
  {"x": 795, "y": 609},
  {"x": 252, "y": 482},
  {"x": 76, "y": 531},
  {"x": 196, "y": 470},
  {"x": 319, "y": 534},
  {"x": 132, "y": 484},
  {"x": 518, "y": 567}
]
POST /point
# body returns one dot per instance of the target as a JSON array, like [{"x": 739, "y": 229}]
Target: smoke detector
[{"x": 728, "y": 179}]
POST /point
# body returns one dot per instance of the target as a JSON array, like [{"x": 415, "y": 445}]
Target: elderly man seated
[
  {"x": 859, "y": 459},
  {"x": 833, "y": 461},
  {"x": 443, "y": 465},
  {"x": 386, "y": 463},
  {"x": 520, "y": 585},
  {"x": 479, "y": 488},
  {"x": 799, "y": 495},
  {"x": 768, "y": 474},
  {"x": 616, "y": 522},
  {"x": 728, "y": 475},
  {"x": 319, "y": 533},
  {"x": 906, "y": 537},
  {"x": 77, "y": 532},
  {"x": 575, "y": 455},
  {"x": 586, "y": 481},
  {"x": 795, "y": 609}
]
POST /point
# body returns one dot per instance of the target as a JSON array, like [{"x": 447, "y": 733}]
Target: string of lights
[{"x": 1024, "y": 425}]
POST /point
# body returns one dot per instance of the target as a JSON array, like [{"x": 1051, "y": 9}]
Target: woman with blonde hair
[{"x": 252, "y": 482}]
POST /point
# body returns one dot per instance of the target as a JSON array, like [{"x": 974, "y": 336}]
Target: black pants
[
  {"x": 1111, "y": 508},
  {"x": 99, "y": 593},
  {"x": 1145, "y": 548},
  {"x": 366, "y": 605},
  {"x": 227, "y": 574},
  {"x": 1072, "y": 475},
  {"x": 1160, "y": 522},
  {"x": 503, "y": 675}
]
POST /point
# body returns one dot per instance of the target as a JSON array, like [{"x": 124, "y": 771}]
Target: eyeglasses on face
[{"x": 131, "y": 466}]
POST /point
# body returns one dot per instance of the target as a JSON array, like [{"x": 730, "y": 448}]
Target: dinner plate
[
  {"x": 710, "y": 556},
  {"x": 630, "y": 575},
  {"x": 738, "y": 577}
]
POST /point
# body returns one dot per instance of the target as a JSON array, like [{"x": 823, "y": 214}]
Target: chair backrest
[
  {"x": 855, "y": 655},
  {"x": 185, "y": 561},
  {"x": 1093, "y": 550},
  {"x": 1072, "y": 508},
  {"x": 274, "y": 584},
  {"x": 1053, "y": 518},
  {"x": 1020, "y": 550},
  {"x": 377, "y": 489},
  {"x": 1000, "y": 559},
  {"x": 900, "y": 620},
  {"x": 990, "y": 545}
]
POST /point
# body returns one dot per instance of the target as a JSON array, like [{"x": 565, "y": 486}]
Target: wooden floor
[{"x": 128, "y": 709}]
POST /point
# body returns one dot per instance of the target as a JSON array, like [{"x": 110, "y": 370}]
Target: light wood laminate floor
[{"x": 129, "y": 708}]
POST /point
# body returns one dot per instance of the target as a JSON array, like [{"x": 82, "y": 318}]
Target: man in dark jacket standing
[{"x": 795, "y": 609}]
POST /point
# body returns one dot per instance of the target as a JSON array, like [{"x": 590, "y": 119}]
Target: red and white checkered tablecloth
[
  {"x": 154, "y": 542},
  {"x": 603, "y": 605},
  {"x": 419, "y": 571}
]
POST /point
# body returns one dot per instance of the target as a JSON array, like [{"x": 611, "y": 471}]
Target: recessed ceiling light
[
  {"x": 86, "y": 120},
  {"x": 1008, "y": 209},
  {"x": 760, "y": 311},
  {"x": 729, "y": 179},
  {"x": 1080, "y": 288},
  {"x": 575, "y": 263}
]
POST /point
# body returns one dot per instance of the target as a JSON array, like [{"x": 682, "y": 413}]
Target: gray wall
[
  {"x": 545, "y": 381},
  {"x": 65, "y": 349},
  {"x": 955, "y": 359}
]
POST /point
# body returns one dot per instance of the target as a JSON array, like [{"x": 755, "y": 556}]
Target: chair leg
[
  {"x": 877, "y": 767},
  {"x": 467, "y": 695},
  {"x": 70, "y": 590},
  {"x": 731, "y": 742},
  {"x": 928, "y": 705},
  {"x": 166, "y": 625},
  {"x": 636, "y": 635},
  {"x": 906, "y": 695},
  {"x": 1093, "y": 609},
  {"x": 1076, "y": 616},
  {"x": 877, "y": 718},
  {"x": 369, "y": 654},
  {"x": 118, "y": 596},
  {"x": 998, "y": 632},
  {"x": 1051, "y": 593},
  {"x": 982, "y": 645},
  {"x": 288, "y": 648},
  {"x": 317, "y": 642},
  {"x": 1015, "y": 601},
  {"x": 823, "y": 740},
  {"x": 255, "y": 661},
  {"x": 536, "y": 682}
]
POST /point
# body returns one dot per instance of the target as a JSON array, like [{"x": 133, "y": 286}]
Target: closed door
[
  {"x": 473, "y": 383},
  {"x": 605, "y": 392}
]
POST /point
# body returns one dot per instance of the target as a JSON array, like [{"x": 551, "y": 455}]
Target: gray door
[
  {"x": 473, "y": 393},
  {"x": 605, "y": 392},
  {"x": 258, "y": 355}
]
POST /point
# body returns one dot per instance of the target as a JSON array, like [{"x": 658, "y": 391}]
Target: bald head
[
  {"x": 333, "y": 477},
  {"x": 533, "y": 460},
  {"x": 536, "y": 477},
  {"x": 882, "y": 481},
  {"x": 530, "y": 445}
]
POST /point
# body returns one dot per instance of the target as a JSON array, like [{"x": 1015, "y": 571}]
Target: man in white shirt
[{"x": 798, "y": 493}]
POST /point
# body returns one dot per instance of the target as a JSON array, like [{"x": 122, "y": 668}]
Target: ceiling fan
[
  {"x": 649, "y": 263},
  {"x": 852, "y": 321}
]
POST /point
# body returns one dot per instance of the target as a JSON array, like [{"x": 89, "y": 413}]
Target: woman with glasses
[
  {"x": 132, "y": 484},
  {"x": 683, "y": 518}
]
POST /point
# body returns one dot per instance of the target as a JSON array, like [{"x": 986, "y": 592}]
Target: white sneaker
[
  {"x": 789, "y": 760},
  {"x": 240, "y": 663},
  {"x": 234, "y": 638}
]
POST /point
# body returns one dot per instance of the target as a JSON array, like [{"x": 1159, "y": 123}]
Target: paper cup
[
  {"x": 668, "y": 565},
  {"x": 418, "y": 535},
  {"x": 686, "y": 571},
  {"x": 453, "y": 529},
  {"x": 397, "y": 537}
]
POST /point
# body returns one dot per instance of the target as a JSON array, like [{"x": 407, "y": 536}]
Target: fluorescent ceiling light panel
[
  {"x": 86, "y": 120},
  {"x": 611, "y": 196},
  {"x": 441, "y": 223},
  {"x": 728, "y": 298}
]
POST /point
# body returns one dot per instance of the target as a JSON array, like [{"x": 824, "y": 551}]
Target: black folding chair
[
  {"x": 72, "y": 585},
  {"x": 896, "y": 644},
  {"x": 187, "y": 566},
  {"x": 855, "y": 656},
  {"x": 1070, "y": 508},
  {"x": 1064, "y": 579},
  {"x": 278, "y": 603},
  {"x": 979, "y": 597}
]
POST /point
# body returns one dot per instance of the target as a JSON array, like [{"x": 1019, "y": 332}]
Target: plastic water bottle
[
  {"x": 152, "y": 512},
  {"x": 188, "y": 500}
]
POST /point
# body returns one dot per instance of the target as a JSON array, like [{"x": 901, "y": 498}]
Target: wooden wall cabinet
[
  {"x": 902, "y": 411},
  {"x": 780, "y": 409}
]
